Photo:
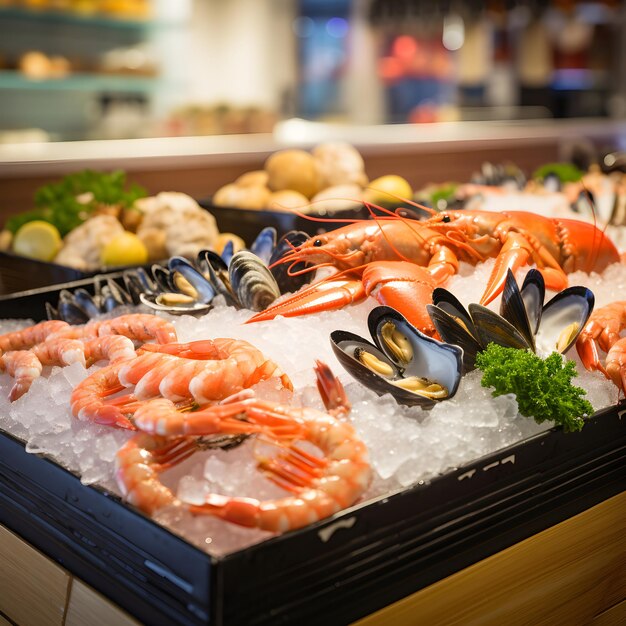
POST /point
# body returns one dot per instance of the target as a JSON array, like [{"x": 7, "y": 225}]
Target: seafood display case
[{"x": 337, "y": 570}]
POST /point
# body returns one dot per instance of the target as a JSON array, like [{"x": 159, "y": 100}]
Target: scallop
[{"x": 414, "y": 368}]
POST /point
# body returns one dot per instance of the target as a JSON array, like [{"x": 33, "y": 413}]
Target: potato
[
  {"x": 255, "y": 178},
  {"x": 339, "y": 163},
  {"x": 337, "y": 198},
  {"x": 232, "y": 195},
  {"x": 293, "y": 169},
  {"x": 286, "y": 200}
]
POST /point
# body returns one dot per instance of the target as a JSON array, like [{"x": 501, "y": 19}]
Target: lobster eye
[
  {"x": 318, "y": 242},
  {"x": 446, "y": 219}
]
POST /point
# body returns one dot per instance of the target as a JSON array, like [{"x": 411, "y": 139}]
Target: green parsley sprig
[
  {"x": 543, "y": 387},
  {"x": 69, "y": 202}
]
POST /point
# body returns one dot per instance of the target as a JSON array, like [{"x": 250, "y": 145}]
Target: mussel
[
  {"x": 524, "y": 321},
  {"x": 243, "y": 279},
  {"x": 414, "y": 368},
  {"x": 78, "y": 306}
]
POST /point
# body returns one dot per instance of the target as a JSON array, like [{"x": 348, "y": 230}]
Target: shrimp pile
[
  {"x": 319, "y": 486},
  {"x": 24, "y": 353},
  {"x": 191, "y": 374},
  {"x": 180, "y": 396}
]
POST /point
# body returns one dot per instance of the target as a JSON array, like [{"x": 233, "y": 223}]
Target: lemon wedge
[
  {"x": 37, "y": 240},
  {"x": 124, "y": 249}
]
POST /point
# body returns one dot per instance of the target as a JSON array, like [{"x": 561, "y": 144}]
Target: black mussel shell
[
  {"x": 346, "y": 346},
  {"x": 264, "y": 244},
  {"x": 513, "y": 309},
  {"x": 69, "y": 311},
  {"x": 449, "y": 303},
  {"x": 429, "y": 358},
  {"x": 137, "y": 281},
  {"x": 455, "y": 333},
  {"x": 162, "y": 280},
  {"x": 251, "y": 281},
  {"x": 87, "y": 302},
  {"x": 492, "y": 327},
  {"x": 533, "y": 294},
  {"x": 204, "y": 291},
  {"x": 215, "y": 270}
]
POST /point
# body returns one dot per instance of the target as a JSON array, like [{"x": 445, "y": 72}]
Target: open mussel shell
[
  {"x": 174, "y": 305},
  {"x": 453, "y": 330},
  {"x": 533, "y": 293},
  {"x": 251, "y": 281},
  {"x": 213, "y": 267},
  {"x": 136, "y": 282},
  {"x": 493, "y": 328},
  {"x": 563, "y": 319},
  {"x": 187, "y": 280},
  {"x": 69, "y": 310},
  {"x": 414, "y": 368}
]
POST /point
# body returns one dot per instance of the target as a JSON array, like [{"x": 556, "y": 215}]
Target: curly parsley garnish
[
  {"x": 543, "y": 387},
  {"x": 70, "y": 201}
]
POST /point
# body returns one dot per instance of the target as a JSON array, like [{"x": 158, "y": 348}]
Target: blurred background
[{"x": 111, "y": 69}]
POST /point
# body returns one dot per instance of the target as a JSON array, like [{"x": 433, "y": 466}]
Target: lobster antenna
[{"x": 595, "y": 247}]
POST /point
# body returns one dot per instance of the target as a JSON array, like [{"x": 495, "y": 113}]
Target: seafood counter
[{"x": 231, "y": 400}]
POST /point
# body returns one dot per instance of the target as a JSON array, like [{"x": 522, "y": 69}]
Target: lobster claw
[
  {"x": 403, "y": 286},
  {"x": 516, "y": 252},
  {"x": 326, "y": 295}
]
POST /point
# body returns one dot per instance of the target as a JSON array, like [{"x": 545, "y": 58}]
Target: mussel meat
[
  {"x": 524, "y": 321},
  {"x": 414, "y": 368}
]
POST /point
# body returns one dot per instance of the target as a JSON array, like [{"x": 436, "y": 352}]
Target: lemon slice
[
  {"x": 124, "y": 249},
  {"x": 37, "y": 240}
]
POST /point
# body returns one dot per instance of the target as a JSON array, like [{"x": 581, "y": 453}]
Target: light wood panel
[
  {"x": 563, "y": 575},
  {"x": 86, "y": 606},
  {"x": 33, "y": 589}
]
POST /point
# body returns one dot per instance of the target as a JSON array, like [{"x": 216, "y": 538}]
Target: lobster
[{"x": 400, "y": 261}]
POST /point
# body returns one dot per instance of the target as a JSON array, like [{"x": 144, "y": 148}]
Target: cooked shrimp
[
  {"x": 321, "y": 486},
  {"x": 138, "y": 464},
  {"x": 211, "y": 370},
  {"x": 60, "y": 351},
  {"x": 88, "y": 399},
  {"x": 245, "y": 366},
  {"x": 30, "y": 336},
  {"x": 113, "y": 348},
  {"x": 138, "y": 326},
  {"x": 24, "y": 366}
]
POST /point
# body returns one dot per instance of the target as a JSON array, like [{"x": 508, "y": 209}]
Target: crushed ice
[{"x": 406, "y": 445}]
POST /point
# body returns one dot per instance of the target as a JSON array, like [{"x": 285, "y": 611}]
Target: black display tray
[
  {"x": 31, "y": 303},
  {"x": 19, "y": 273},
  {"x": 332, "y": 572}
]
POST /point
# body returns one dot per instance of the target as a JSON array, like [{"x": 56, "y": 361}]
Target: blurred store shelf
[
  {"x": 96, "y": 19},
  {"x": 10, "y": 79}
]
